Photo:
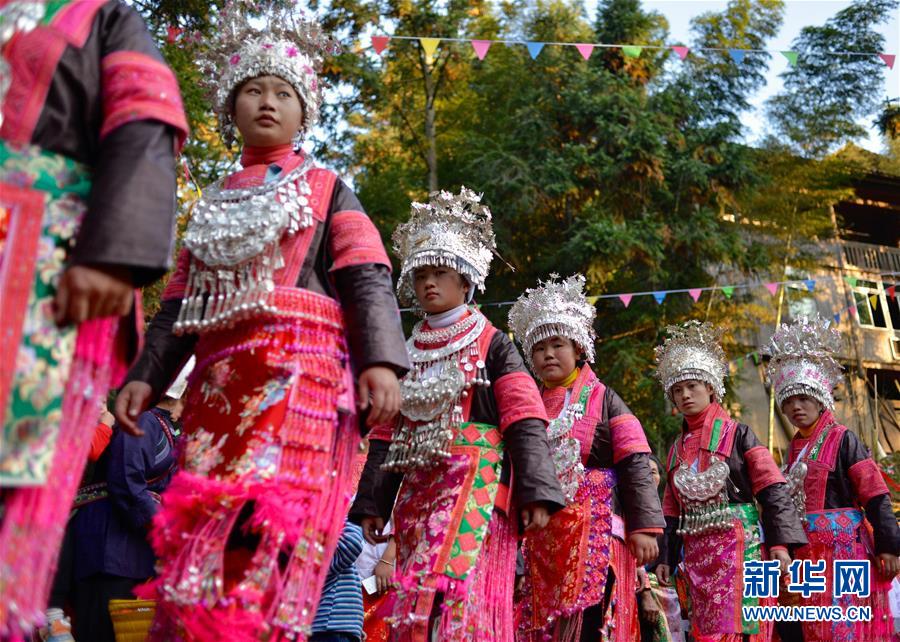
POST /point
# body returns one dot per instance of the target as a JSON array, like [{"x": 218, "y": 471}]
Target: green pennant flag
[
  {"x": 740, "y": 362},
  {"x": 755, "y": 357},
  {"x": 728, "y": 290},
  {"x": 791, "y": 57},
  {"x": 851, "y": 280},
  {"x": 631, "y": 51}
]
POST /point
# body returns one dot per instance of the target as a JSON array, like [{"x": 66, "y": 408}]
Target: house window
[{"x": 874, "y": 308}]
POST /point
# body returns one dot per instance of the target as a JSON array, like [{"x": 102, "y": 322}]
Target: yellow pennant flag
[
  {"x": 874, "y": 300},
  {"x": 593, "y": 300},
  {"x": 430, "y": 46}
]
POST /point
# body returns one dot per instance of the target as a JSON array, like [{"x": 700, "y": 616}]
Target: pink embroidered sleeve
[
  {"x": 867, "y": 481},
  {"x": 627, "y": 437},
  {"x": 138, "y": 87},
  {"x": 177, "y": 283},
  {"x": 762, "y": 468},
  {"x": 518, "y": 398},
  {"x": 355, "y": 240}
]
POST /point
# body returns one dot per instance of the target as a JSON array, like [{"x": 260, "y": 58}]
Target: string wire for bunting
[{"x": 888, "y": 59}]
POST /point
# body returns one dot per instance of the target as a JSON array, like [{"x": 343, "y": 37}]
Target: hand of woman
[
  {"x": 663, "y": 574},
  {"x": 648, "y": 607},
  {"x": 132, "y": 400},
  {"x": 384, "y": 572}
]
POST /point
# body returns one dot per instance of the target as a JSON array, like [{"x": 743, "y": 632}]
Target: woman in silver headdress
[
  {"x": 469, "y": 410},
  {"x": 718, "y": 473},
  {"x": 580, "y": 571},
  {"x": 837, "y": 487},
  {"x": 284, "y": 283}
]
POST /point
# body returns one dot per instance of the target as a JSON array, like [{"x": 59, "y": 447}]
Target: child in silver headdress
[
  {"x": 284, "y": 283},
  {"x": 837, "y": 487},
  {"x": 718, "y": 473},
  {"x": 469, "y": 410},
  {"x": 580, "y": 570}
]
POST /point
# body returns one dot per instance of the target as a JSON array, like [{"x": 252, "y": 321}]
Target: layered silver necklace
[
  {"x": 234, "y": 238},
  {"x": 565, "y": 448},
  {"x": 704, "y": 498},
  {"x": 444, "y": 369}
]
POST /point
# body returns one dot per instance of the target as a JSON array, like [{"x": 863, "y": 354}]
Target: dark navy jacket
[{"x": 111, "y": 533}]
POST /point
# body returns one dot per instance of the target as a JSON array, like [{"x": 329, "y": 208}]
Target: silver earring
[{"x": 228, "y": 132}]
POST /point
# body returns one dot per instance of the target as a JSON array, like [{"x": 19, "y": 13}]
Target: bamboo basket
[{"x": 132, "y": 619}]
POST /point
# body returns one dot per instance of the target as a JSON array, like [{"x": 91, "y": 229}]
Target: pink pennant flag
[
  {"x": 585, "y": 50},
  {"x": 772, "y": 288},
  {"x": 681, "y": 51},
  {"x": 888, "y": 59},
  {"x": 625, "y": 298},
  {"x": 695, "y": 294},
  {"x": 379, "y": 43},
  {"x": 481, "y": 48}
]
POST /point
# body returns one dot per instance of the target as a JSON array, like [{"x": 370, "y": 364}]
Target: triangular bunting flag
[
  {"x": 892, "y": 291},
  {"x": 593, "y": 300},
  {"x": 429, "y": 45},
  {"x": 631, "y": 51},
  {"x": 625, "y": 298},
  {"x": 888, "y": 59},
  {"x": 874, "y": 301},
  {"x": 511, "y": 337},
  {"x": 791, "y": 57},
  {"x": 810, "y": 284},
  {"x": 379, "y": 43},
  {"x": 853, "y": 312},
  {"x": 772, "y": 288},
  {"x": 481, "y": 48},
  {"x": 681, "y": 51},
  {"x": 728, "y": 290},
  {"x": 755, "y": 357},
  {"x": 585, "y": 50},
  {"x": 534, "y": 48},
  {"x": 660, "y": 297},
  {"x": 837, "y": 317},
  {"x": 477, "y": 306},
  {"x": 740, "y": 362},
  {"x": 851, "y": 280},
  {"x": 695, "y": 294},
  {"x": 737, "y": 55}
]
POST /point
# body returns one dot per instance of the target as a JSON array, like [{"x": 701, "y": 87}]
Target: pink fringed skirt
[
  {"x": 248, "y": 527},
  {"x": 456, "y": 553}
]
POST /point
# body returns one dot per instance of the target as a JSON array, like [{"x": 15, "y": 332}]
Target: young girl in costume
[
  {"x": 836, "y": 485},
  {"x": 283, "y": 285},
  {"x": 580, "y": 570},
  {"x": 469, "y": 410},
  {"x": 716, "y": 469}
]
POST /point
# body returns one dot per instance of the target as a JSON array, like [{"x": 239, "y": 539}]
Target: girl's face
[
  {"x": 692, "y": 396},
  {"x": 554, "y": 359},
  {"x": 439, "y": 289},
  {"x": 267, "y": 111},
  {"x": 802, "y": 410},
  {"x": 654, "y": 473}
]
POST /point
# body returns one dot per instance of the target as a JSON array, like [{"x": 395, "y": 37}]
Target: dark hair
[{"x": 660, "y": 468}]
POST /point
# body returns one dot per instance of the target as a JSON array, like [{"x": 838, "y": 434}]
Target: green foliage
[{"x": 826, "y": 95}]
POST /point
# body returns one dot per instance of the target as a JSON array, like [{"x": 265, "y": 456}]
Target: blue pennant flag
[
  {"x": 810, "y": 284},
  {"x": 660, "y": 297},
  {"x": 737, "y": 55},
  {"x": 837, "y": 317},
  {"x": 534, "y": 48}
]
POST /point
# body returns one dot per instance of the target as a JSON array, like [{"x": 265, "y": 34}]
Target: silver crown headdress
[
  {"x": 692, "y": 351},
  {"x": 554, "y": 308},
  {"x": 801, "y": 360},
  {"x": 452, "y": 230},
  {"x": 289, "y": 46}
]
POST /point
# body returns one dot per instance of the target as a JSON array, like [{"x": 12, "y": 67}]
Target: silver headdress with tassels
[
  {"x": 554, "y": 308},
  {"x": 802, "y": 361},
  {"x": 289, "y": 45},
  {"x": 452, "y": 230},
  {"x": 692, "y": 351}
]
